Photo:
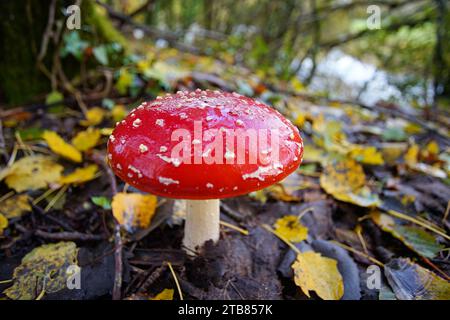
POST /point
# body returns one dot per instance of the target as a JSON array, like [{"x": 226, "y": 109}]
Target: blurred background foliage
[{"x": 325, "y": 45}]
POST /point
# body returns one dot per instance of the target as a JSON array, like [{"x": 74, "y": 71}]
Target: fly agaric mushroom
[{"x": 203, "y": 146}]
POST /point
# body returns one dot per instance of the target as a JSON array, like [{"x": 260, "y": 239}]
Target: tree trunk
[{"x": 441, "y": 59}]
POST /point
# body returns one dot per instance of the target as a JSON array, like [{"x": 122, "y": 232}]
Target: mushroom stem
[{"x": 202, "y": 223}]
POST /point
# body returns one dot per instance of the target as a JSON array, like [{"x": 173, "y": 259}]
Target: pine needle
[
  {"x": 236, "y": 228},
  {"x": 176, "y": 280}
]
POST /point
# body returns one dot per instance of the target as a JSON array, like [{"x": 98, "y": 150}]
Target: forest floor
[{"x": 373, "y": 190}]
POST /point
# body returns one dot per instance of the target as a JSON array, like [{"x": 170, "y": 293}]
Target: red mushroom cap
[{"x": 201, "y": 145}]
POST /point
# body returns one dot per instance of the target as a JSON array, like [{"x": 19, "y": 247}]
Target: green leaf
[
  {"x": 415, "y": 238},
  {"x": 103, "y": 202},
  {"x": 394, "y": 134},
  {"x": 101, "y": 54}
]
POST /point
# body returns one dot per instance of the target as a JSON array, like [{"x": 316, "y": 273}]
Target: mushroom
[{"x": 203, "y": 146}]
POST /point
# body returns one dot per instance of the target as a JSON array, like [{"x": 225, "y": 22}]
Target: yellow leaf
[
  {"x": 3, "y": 223},
  {"x": 59, "y": 146},
  {"x": 124, "y": 81},
  {"x": 118, "y": 112},
  {"x": 106, "y": 131},
  {"x": 44, "y": 268},
  {"x": 313, "y": 154},
  {"x": 290, "y": 228},
  {"x": 300, "y": 120},
  {"x": 312, "y": 272},
  {"x": 80, "y": 175},
  {"x": 32, "y": 173},
  {"x": 86, "y": 140},
  {"x": 367, "y": 155},
  {"x": 411, "y": 155},
  {"x": 134, "y": 210},
  {"x": 432, "y": 148},
  {"x": 297, "y": 85},
  {"x": 345, "y": 180},
  {"x": 15, "y": 206},
  {"x": 166, "y": 294},
  {"x": 93, "y": 117}
]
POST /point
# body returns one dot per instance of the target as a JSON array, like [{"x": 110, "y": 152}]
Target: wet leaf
[
  {"x": 415, "y": 238},
  {"x": 60, "y": 147},
  {"x": 3, "y": 223},
  {"x": 15, "y": 206},
  {"x": 345, "y": 180},
  {"x": 291, "y": 229},
  {"x": 44, "y": 268},
  {"x": 313, "y": 272},
  {"x": 410, "y": 281},
  {"x": 94, "y": 116},
  {"x": 32, "y": 173},
  {"x": 86, "y": 140},
  {"x": 134, "y": 210},
  {"x": 81, "y": 175},
  {"x": 166, "y": 294},
  {"x": 103, "y": 202}
]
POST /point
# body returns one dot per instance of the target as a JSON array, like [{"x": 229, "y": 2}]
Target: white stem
[{"x": 202, "y": 223}]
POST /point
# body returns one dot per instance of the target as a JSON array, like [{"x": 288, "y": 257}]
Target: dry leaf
[
  {"x": 45, "y": 264},
  {"x": 93, "y": 117},
  {"x": 410, "y": 281},
  {"x": 166, "y": 294},
  {"x": 86, "y": 140},
  {"x": 291, "y": 229},
  {"x": 345, "y": 180},
  {"x": 32, "y": 173},
  {"x": 60, "y": 147},
  {"x": 15, "y": 206},
  {"x": 3, "y": 223},
  {"x": 80, "y": 175},
  {"x": 312, "y": 272},
  {"x": 134, "y": 210}
]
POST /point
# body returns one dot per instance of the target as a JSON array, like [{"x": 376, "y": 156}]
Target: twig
[
  {"x": 446, "y": 211},
  {"x": 65, "y": 235},
  {"x": 358, "y": 253},
  {"x": 43, "y": 214},
  {"x": 99, "y": 158}
]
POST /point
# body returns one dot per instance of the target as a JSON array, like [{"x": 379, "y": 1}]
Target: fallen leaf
[
  {"x": 291, "y": 229},
  {"x": 32, "y": 173},
  {"x": 86, "y": 140},
  {"x": 3, "y": 223},
  {"x": 133, "y": 210},
  {"x": 166, "y": 294},
  {"x": 93, "y": 117},
  {"x": 312, "y": 272},
  {"x": 44, "y": 268},
  {"x": 80, "y": 175},
  {"x": 124, "y": 81},
  {"x": 366, "y": 155},
  {"x": 118, "y": 112},
  {"x": 415, "y": 238},
  {"x": 60, "y": 147},
  {"x": 345, "y": 180},
  {"x": 103, "y": 202},
  {"x": 410, "y": 281},
  {"x": 15, "y": 206},
  {"x": 411, "y": 155}
]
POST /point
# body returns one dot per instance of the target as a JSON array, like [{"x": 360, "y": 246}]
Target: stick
[{"x": 69, "y": 236}]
